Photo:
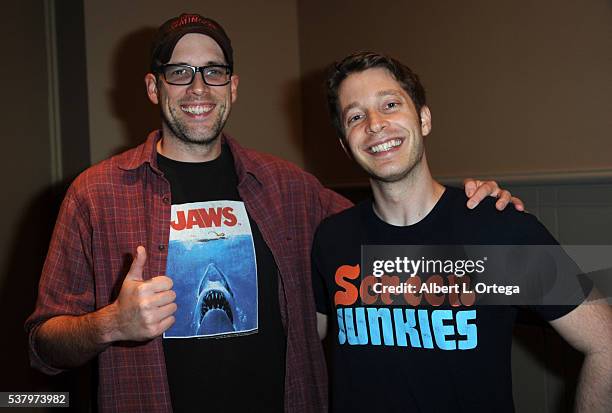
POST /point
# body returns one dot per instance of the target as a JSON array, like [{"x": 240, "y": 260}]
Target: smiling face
[
  {"x": 382, "y": 129},
  {"x": 193, "y": 114}
]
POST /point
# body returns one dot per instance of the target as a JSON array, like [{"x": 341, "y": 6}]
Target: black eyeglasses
[{"x": 181, "y": 75}]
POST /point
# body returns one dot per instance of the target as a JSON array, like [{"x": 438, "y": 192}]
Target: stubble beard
[{"x": 185, "y": 135}]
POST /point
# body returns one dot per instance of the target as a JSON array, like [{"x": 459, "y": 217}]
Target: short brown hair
[{"x": 361, "y": 61}]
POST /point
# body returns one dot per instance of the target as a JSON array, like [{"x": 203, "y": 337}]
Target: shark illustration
[{"x": 215, "y": 310}]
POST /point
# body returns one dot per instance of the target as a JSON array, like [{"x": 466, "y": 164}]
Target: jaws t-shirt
[{"x": 226, "y": 350}]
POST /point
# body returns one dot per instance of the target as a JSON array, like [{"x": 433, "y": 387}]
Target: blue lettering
[
  {"x": 362, "y": 330},
  {"x": 383, "y": 314},
  {"x": 468, "y": 330},
  {"x": 425, "y": 330},
  {"x": 341, "y": 329},
  {"x": 441, "y": 330},
  {"x": 407, "y": 326}
]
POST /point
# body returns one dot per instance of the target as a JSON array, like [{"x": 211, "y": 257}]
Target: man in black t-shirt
[
  {"x": 182, "y": 265},
  {"x": 410, "y": 347}
]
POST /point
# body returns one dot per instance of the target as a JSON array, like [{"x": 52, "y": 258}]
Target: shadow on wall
[
  {"x": 18, "y": 297},
  {"x": 323, "y": 155},
  {"x": 130, "y": 63}
]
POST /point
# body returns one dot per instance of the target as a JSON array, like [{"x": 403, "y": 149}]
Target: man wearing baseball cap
[{"x": 183, "y": 265}]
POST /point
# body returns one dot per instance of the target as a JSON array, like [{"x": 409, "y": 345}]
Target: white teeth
[
  {"x": 197, "y": 110},
  {"x": 385, "y": 146}
]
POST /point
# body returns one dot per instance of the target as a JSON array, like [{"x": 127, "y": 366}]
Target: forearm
[
  {"x": 69, "y": 341},
  {"x": 594, "y": 393}
]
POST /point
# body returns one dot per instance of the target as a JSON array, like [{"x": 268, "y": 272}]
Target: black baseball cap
[{"x": 171, "y": 31}]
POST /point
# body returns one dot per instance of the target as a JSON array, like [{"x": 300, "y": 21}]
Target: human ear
[
  {"x": 425, "y": 121},
  {"x": 151, "y": 85},
  {"x": 234, "y": 87}
]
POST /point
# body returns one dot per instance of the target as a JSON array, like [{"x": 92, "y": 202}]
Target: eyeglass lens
[{"x": 184, "y": 75}]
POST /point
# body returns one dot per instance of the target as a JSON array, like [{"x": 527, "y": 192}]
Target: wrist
[{"x": 107, "y": 324}]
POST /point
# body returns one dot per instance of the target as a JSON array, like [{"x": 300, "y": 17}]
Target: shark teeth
[
  {"x": 216, "y": 300},
  {"x": 197, "y": 110},
  {"x": 385, "y": 146}
]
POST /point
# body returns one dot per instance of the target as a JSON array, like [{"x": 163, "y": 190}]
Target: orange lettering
[
  {"x": 432, "y": 298},
  {"x": 388, "y": 280},
  {"x": 413, "y": 299},
  {"x": 468, "y": 298},
  {"x": 349, "y": 294},
  {"x": 365, "y": 288}
]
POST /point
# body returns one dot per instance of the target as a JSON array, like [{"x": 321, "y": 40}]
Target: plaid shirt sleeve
[
  {"x": 66, "y": 284},
  {"x": 108, "y": 211}
]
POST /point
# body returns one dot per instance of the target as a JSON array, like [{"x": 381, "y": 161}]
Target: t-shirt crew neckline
[
  {"x": 164, "y": 160},
  {"x": 428, "y": 219}
]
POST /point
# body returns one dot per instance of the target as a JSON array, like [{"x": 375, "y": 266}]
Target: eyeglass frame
[{"x": 194, "y": 70}]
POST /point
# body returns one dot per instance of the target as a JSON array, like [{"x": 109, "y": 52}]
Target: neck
[
  {"x": 409, "y": 200},
  {"x": 178, "y": 150}
]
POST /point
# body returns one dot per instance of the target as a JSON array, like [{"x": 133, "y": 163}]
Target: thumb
[{"x": 137, "y": 267}]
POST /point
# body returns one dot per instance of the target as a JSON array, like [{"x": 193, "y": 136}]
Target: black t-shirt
[
  {"x": 403, "y": 366},
  {"x": 233, "y": 360}
]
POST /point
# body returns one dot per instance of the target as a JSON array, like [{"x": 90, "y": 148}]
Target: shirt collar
[
  {"x": 147, "y": 153},
  {"x": 244, "y": 161}
]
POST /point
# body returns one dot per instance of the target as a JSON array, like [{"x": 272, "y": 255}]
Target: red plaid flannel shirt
[{"x": 123, "y": 202}]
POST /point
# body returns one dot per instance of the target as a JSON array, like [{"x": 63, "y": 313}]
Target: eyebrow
[
  {"x": 379, "y": 94},
  {"x": 209, "y": 63},
  {"x": 388, "y": 92},
  {"x": 347, "y": 108}
]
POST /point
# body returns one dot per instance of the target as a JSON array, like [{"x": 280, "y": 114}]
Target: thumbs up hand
[
  {"x": 138, "y": 263},
  {"x": 144, "y": 309}
]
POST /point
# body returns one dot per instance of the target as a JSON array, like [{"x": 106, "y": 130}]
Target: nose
[
  {"x": 198, "y": 87},
  {"x": 376, "y": 122}
]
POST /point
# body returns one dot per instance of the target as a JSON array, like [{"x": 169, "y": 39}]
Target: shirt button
[
  {"x": 161, "y": 247},
  {"x": 166, "y": 199}
]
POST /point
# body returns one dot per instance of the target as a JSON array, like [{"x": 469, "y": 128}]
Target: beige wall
[
  {"x": 514, "y": 87},
  {"x": 264, "y": 36}
]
